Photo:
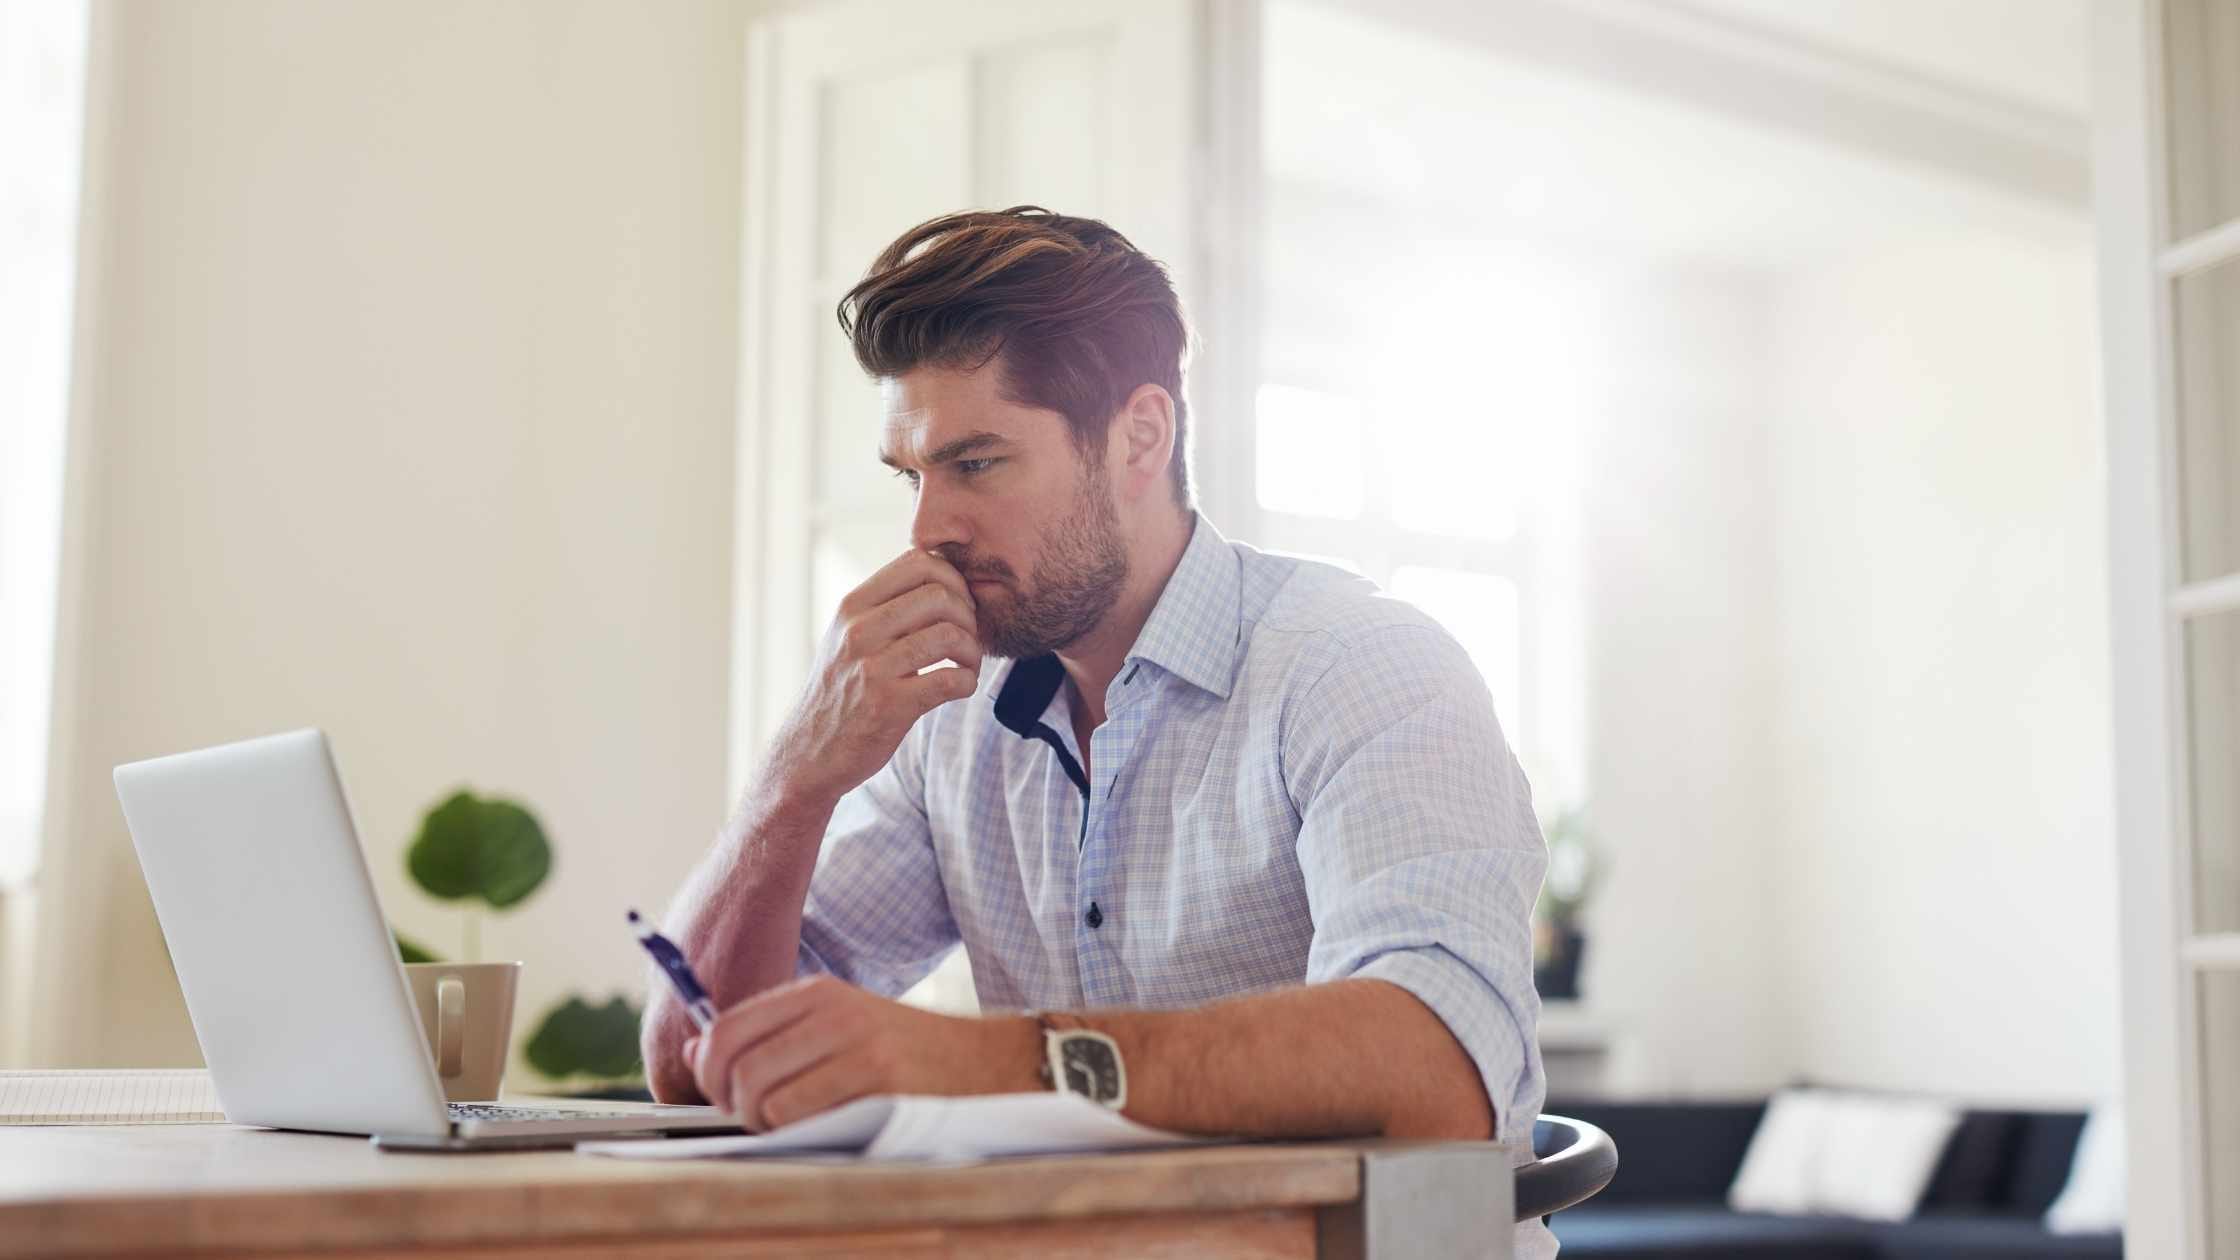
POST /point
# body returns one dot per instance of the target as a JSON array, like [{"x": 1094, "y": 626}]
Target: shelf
[
  {"x": 2216, "y": 595},
  {"x": 2201, "y": 251},
  {"x": 2216, "y": 951},
  {"x": 1572, "y": 1026}
]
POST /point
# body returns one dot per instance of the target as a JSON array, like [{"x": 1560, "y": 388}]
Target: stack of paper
[
  {"x": 909, "y": 1127},
  {"x": 132, "y": 1096}
]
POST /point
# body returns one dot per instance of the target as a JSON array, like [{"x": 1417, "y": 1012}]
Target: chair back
[{"x": 1573, "y": 1160}]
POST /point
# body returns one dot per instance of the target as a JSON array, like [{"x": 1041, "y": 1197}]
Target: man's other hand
[
  {"x": 866, "y": 691},
  {"x": 817, "y": 1042}
]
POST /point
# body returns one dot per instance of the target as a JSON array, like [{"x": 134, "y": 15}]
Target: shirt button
[{"x": 1095, "y": 917}]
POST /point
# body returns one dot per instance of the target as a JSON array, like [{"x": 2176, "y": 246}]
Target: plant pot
[{"x": 1558, "y": 978}]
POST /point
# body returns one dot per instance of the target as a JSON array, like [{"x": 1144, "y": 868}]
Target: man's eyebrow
[{"x": 947, "y": 451}]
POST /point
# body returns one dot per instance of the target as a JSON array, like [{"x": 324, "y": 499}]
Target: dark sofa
[{"x": 1988, "y": 1197}]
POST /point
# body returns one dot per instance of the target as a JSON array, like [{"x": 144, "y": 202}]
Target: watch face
[{"x": 1092, "y": 1067}]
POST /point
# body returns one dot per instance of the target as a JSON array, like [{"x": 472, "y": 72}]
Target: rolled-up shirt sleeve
[
  {"x": 877, "y": 914},
  {"x": 1420, "y": 851}
]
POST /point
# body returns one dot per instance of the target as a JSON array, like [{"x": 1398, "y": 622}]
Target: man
[{"x": 1242, "y": 832}]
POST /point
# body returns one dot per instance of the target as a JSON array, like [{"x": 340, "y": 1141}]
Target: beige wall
[{"x": 405, "y": 411}]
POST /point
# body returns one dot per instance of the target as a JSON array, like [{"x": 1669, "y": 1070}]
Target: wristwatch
[{"x": 1082, "y": 1061}]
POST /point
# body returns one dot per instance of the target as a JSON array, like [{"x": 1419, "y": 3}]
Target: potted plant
[
  {"x": 492, "y": 854},
  {"x": 1559, "y": 939}
]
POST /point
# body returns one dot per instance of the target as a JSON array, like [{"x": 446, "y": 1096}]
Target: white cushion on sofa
[
  {"x": 1862, "y": 1155},
  {"x": 1880, "y": 1154},
  {"x": 1778, "y": 1170},
  {"x": 2092, "y": 1201}
]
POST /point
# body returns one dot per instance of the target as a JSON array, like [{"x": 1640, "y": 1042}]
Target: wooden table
[{"x": 189, "y": 1190}]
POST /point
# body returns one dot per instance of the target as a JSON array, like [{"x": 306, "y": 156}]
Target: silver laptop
[{"x": 290, "y": 974}]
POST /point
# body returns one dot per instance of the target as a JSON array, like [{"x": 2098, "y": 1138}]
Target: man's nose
[{"x": 936, "y": 519}]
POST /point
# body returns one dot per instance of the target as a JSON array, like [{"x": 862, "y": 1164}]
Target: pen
[{"x": 673, "y": 965}]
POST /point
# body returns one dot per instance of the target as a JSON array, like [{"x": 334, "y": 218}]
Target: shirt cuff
[{"x": 1475, "y": 1013}]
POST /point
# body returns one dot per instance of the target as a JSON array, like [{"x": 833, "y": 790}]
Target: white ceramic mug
[{"x": 466, "y": 1012}]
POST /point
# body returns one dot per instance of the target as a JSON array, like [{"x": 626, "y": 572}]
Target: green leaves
[
  {"x": 495, "y": 851},
  {"x": 578, "y": 1039},
  {"x": 412, "y": 951},
  {"x": 472, "y": 847}
]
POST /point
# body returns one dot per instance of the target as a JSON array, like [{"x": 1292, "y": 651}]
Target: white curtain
[{"x": 42, "y": 99}]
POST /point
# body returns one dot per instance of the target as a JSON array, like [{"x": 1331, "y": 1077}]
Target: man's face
[{"x": 1003, "y": 491}]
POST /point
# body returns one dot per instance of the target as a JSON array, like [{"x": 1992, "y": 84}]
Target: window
[
  {"x": 42, "y": 91},
  {"x": 1308, "y": 452},
  {"x": 1417, "y": 423},
  {"x": 1480, "y": 609}
]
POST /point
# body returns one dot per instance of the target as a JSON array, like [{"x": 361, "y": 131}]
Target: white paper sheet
[{"x": 912, "y": 1127}]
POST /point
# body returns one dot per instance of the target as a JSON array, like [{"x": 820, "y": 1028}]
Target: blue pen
[{"x": 673, "y": 965}]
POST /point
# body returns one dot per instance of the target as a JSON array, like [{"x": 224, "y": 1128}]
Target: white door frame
[{"x": 2164, "y": 1210}]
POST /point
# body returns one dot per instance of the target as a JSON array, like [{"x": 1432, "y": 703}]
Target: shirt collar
[
  {"x": 1193, "y": 630},
  {"x": 1192, "y": 633}
]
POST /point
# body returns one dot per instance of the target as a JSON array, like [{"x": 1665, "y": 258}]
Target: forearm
[
  {"x": 738, "y": 917},
  {"x": 1350, "y": 1057}
]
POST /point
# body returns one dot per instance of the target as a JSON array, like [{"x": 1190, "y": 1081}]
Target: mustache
[{"x": 975, "y": 568}]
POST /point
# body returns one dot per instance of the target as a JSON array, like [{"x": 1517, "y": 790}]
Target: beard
[{"x": 1076, "y": 580}]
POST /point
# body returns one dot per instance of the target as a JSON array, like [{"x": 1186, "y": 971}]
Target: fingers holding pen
[
  {"x": 737, "y": 1031},
  {"x": 798, "y": 1047}
]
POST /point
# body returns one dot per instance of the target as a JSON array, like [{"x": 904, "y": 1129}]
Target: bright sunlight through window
[
  {"x": 1480, "y": 609},
  {"x": 42, "y": 91},
  {"x": 1309, "y": 457}
]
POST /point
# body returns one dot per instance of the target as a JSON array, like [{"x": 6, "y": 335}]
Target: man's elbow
[
  {"x": 1445, "y": 1098},
  {"x": 668, "y": 1076},
  {"x": 1456, "y": 1110},
  {"x": 676, "y": 1088}
]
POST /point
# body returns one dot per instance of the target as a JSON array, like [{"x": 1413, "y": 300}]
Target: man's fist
[
  {"x": 811, "y": 1045},
  {"x": 866, "y": 691}
]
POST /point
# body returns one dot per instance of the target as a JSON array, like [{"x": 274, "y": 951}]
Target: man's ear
[{"x": 1141, "y": 441}]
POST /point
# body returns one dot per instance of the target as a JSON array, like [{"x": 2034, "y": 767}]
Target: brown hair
[{"x": 1080, "y": 316}]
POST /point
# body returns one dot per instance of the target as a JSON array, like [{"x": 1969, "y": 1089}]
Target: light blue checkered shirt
[{"x": 1298, "y": 779}]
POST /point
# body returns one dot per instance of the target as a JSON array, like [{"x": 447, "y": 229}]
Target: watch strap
[{"x": 1047, "y": 1026}]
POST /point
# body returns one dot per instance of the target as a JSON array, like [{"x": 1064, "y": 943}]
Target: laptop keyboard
[{"x": 501, "y": 1111}]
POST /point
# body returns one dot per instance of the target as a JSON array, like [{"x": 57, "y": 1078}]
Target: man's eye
[
  {"x": 973, "y": 467},
  {"x": 909, "y": 475}
]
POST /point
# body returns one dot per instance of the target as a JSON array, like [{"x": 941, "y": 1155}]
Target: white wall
[
  {"x": 1839, "y": 532},
  {"x": 1678, "y": 609},
  {"x": 407, "y": 413},
  {"x": 1942, "y": 853},
  {"x": 1845, "y": 603}
]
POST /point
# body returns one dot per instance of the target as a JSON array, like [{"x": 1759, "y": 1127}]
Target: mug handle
[{"x": 451, "y": 1025}]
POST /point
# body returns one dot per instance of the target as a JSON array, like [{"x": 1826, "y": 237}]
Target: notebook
[
  {"x": 130, "y": 1096},
  {"x": 910, "y": 1127}
]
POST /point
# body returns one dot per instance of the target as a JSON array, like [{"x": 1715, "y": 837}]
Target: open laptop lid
[{"x": 289, "y": 971}]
